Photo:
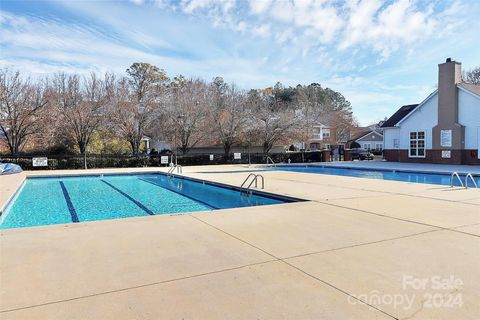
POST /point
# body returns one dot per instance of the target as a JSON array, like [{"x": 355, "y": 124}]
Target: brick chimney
[{"x": 449, "y": 75}]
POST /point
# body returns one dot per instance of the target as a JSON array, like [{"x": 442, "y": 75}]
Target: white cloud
[
  {"x": 262, "y": 30},
  {"x": 369, "y": 24},
  {"x": 259, "y": 6},
  {"x": 386, "y": 29},
  {"x": 190, "y": 6},
  {"x": 379, "y": 54}
]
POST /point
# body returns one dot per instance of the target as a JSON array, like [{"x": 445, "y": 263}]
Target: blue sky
[{"x": 379, "y": 54}]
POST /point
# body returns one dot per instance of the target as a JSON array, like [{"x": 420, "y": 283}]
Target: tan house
[{"x": 322, "y": 137}]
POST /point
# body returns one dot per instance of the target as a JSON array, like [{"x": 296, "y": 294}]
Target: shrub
[
  {"x": 56, "y": 162},
  {"x": 355, "y": 145}
]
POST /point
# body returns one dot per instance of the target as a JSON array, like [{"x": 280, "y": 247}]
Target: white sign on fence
[
  {"x": 40, "y": 162},
  {"x": 164, "y": 160},
  {"x": 237, "y": 156},
  {"x": 211, "y": 157}
]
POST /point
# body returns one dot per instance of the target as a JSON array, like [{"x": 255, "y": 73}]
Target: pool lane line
[
  {"x": 183, "y": 195},
  {"x": 70, "y": 206},
  {"x": 126, "y": 195}
]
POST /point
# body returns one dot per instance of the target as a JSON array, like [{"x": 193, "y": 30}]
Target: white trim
[
  {"x": 424, "y": 143},
  {"x": 417, "y": 107},
  {"x": 468, "y": 91}
]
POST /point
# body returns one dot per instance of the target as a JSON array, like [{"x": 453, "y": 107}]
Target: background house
[
  {"x": 322, "y": 137},
  {"x": 444, "y": 128},
  {"x": 369, "y": 140}
]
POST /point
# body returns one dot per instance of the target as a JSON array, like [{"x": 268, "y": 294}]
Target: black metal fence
[{"x": 56, "y": 162}]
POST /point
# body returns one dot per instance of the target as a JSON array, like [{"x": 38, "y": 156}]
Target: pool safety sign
[
  {"x": 237, "y": 156},
  {"x": 446, "y": 138},
  {"x": 164, "y": 159},
  {"x": 40, "y": 162}
]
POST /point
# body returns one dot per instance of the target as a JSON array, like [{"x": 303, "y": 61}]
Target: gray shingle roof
[{"x": 399, "y": 115}]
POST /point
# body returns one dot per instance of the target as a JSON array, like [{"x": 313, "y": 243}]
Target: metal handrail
[
  {"x": 254, "y": 180},
  {"x": 263, "y": 180},
  {"x": 248, "y": 177},
  {"x": 455, "y": 174},
  {"x": 178, "y": 167},
  {"x": 473, "y": 180},
  {"x": 271, "y": 160}
]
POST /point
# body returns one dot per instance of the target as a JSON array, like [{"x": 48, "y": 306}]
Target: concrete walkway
[{"x": 359, "y": 249}]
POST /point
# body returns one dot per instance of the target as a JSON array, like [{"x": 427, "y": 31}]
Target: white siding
[
  {"x": 469, "y": 116},
  {"x": 423, "y": 119},
  {"x": 372, "y": 143},
  {"x": 389, "y": 135}
]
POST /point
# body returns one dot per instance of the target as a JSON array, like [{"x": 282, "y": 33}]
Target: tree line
[{"x": 78, "y": 111}]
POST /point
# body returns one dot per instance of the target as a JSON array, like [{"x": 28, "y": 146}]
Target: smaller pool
[
  {"x": 45, "y": 201},
  {"x": 416, "y": 177}
]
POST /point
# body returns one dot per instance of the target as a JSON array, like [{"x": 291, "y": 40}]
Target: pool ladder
[
  {"x": 468, "y": 177},
  {"x": 251, "y": 179},
  {"x": 172, "y": 169},
  {"x": 271, "y": 160}
]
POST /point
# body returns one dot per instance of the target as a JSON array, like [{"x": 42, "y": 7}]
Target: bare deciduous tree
[
  {"x": 472, "y": 76},
  {"x": 227, "y": 114},
  {"x": 146, "y": 84},
  {"x": 272, "y": 121},
  {"x": 21, "y": 103},
  {"x": 342, "y": 122},
  {"x": 81, "y": 105},
  {"x": 186, "y": 112},
  {"x": 309, "y": 110}
]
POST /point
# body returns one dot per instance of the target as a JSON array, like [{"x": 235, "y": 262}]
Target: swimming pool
[
  {"x": 58, "y": 200},
  {"x": 416, "y": 177}
]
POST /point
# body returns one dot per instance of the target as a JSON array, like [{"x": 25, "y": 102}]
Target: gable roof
[
  {"x": 470, "y": 87},
  {"x": 369, "y": 133},
  {"x": 399, "y": 115},
  {"x": 360, "y": 134}
]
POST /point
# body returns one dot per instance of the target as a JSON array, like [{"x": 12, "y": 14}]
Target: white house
[
  {"x": 443, "y": 128},
  {"x": 370, "y": 140}
]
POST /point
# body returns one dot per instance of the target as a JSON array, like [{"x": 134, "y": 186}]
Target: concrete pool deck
[{"x": 355, "y": 243}]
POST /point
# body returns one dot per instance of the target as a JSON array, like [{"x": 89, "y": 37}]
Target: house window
[
  {"x": 378, "y": 146},
  {"x": 326, "y": 133},
  {"x": 417, "y": 144},
  {"x": 316, "y": 133},
  {"x": 366, "y": 146}
]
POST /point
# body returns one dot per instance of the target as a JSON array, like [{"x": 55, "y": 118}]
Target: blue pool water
[
  {"x": 44, "y": 201},
  {"x": 415, "y": 177}
]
